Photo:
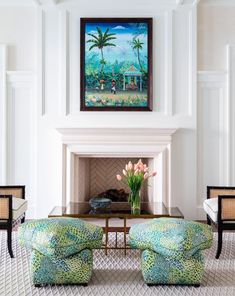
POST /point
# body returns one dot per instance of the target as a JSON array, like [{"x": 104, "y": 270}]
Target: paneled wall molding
[
  {"x": 68, "y": 99},
  {"x": 213, "y": 125},
  {"x": 64, "y": 104},
  {"x": 231, "y": 95},
  {"x": 21, "y": 102},
  {"x": 212, "y": 76},
  {"x": 41, "y": 61},
  {"x": 20, "y": 76},
  {"x": 168, "y": 61},
  {"x": 192, "y": 65},
  {"x": 174, "y": 56},
  {"x": 3, "y": 119}
]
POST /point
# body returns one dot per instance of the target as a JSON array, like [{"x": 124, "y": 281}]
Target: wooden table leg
[
  {"x": 124, "y": 220},
  {"x": 106, "y": 235}
]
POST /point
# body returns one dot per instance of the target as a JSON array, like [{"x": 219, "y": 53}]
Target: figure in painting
[
  {"x": 102, "y": 83},
  {"x": 113, "y": 88}
]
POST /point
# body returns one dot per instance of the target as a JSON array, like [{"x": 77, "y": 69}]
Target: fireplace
[
  {"x": 91, "y": 158},
  {"x": 98, "y": 174}
]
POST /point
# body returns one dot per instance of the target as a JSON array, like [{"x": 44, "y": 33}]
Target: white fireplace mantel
[
  {"x": 153, "y": 143},
  {"x": 116, "y": 135}
]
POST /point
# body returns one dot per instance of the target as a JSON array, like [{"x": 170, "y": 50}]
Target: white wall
[
  {"x": 216, "y": 28},
  {"x": 18, "y": 31},
  {"x": 55, "y": 65}
]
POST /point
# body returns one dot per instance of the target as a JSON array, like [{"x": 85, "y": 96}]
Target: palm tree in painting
[
  {"x": 100, "y": 41},
  {"x": 137, "y": 45}
]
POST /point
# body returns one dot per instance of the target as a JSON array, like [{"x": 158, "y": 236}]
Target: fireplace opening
[{"x": 97, "y": 175}]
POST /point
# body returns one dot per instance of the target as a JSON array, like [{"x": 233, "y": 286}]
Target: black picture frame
[{"x": 148, "y": 73}]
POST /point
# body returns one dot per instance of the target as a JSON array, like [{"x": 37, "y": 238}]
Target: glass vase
[{"x": 135, "y": 201}]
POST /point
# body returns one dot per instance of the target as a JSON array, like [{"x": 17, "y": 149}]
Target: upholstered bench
[
  {"x": 61, "y": 249},
  {"x": 172, "y": 250}
]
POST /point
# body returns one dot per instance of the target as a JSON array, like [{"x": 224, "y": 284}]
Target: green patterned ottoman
[
  {"x": 172, "y": 250},
  {"x": 61, "y": 249}
]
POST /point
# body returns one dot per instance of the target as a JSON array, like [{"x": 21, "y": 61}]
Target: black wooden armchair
[
  {"x": 12, "y": 210},
  {"x": 220, "y": 209}
]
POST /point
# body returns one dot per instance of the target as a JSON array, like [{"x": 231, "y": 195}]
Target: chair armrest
[
  {"x": 6, "y": 207},
  {"x": 226, "y": 207}
]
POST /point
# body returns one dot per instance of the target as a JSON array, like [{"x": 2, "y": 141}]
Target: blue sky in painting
[{"x": 124, "y": 33}]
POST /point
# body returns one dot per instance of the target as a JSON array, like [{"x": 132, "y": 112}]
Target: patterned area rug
[{"x": 117, "y": 274}]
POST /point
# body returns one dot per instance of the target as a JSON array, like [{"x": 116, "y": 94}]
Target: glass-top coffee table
[{"x": 121, "y": 210}]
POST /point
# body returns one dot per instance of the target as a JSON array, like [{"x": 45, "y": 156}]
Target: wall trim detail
[
  {"x": 57, "y": 2},
  {"x": 16, "y": 81},
  {"x": 214, "y": 81},
  {"x": 41, "y": 61},
  {"x": 231, "y": 95},
  {"x": 3, "y": 118},
  {"x": 168, "y": 61},
  {"x": 64, "y": 105},
  {"x": 212, "y": 76},
  {"x": 192, "y": 67}
]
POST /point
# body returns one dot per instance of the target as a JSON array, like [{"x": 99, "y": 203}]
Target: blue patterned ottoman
[
  {"x": 61, "y": 249},
  {"x": 172, "y": 250}
]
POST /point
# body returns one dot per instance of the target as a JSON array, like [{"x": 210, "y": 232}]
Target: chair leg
[
  {"x": 220, "y": 239},
  {"x": 9, "y": 242},
  {"x": 208, "y": 220},
  {"x": 23, "y": 219}
]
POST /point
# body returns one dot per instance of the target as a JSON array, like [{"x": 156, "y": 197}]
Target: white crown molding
[
  {"x": 28, "y": 2},
  {"x": 46, "y": 2},
  {"x": 217, "y": 2},
  {"x": 17, "y": 2},
  {"x": 38, "y": 2},
  {"x": 55, "y": 2},
  {"x": 187, "y": 2}
]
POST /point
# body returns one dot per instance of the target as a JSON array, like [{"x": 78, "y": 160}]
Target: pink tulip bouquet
[{"x": 134, "y": 175}]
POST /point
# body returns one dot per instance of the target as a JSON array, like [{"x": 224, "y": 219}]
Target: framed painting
[{"x": 116, "y": 64}]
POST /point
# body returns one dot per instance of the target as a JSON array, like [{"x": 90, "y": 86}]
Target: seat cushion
[
  {"x": 171, "y": 237},
  {"x": 60, "y": 237},
  {"x": 210, "y": 206},
  {"x": 19, "y": 207}
]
